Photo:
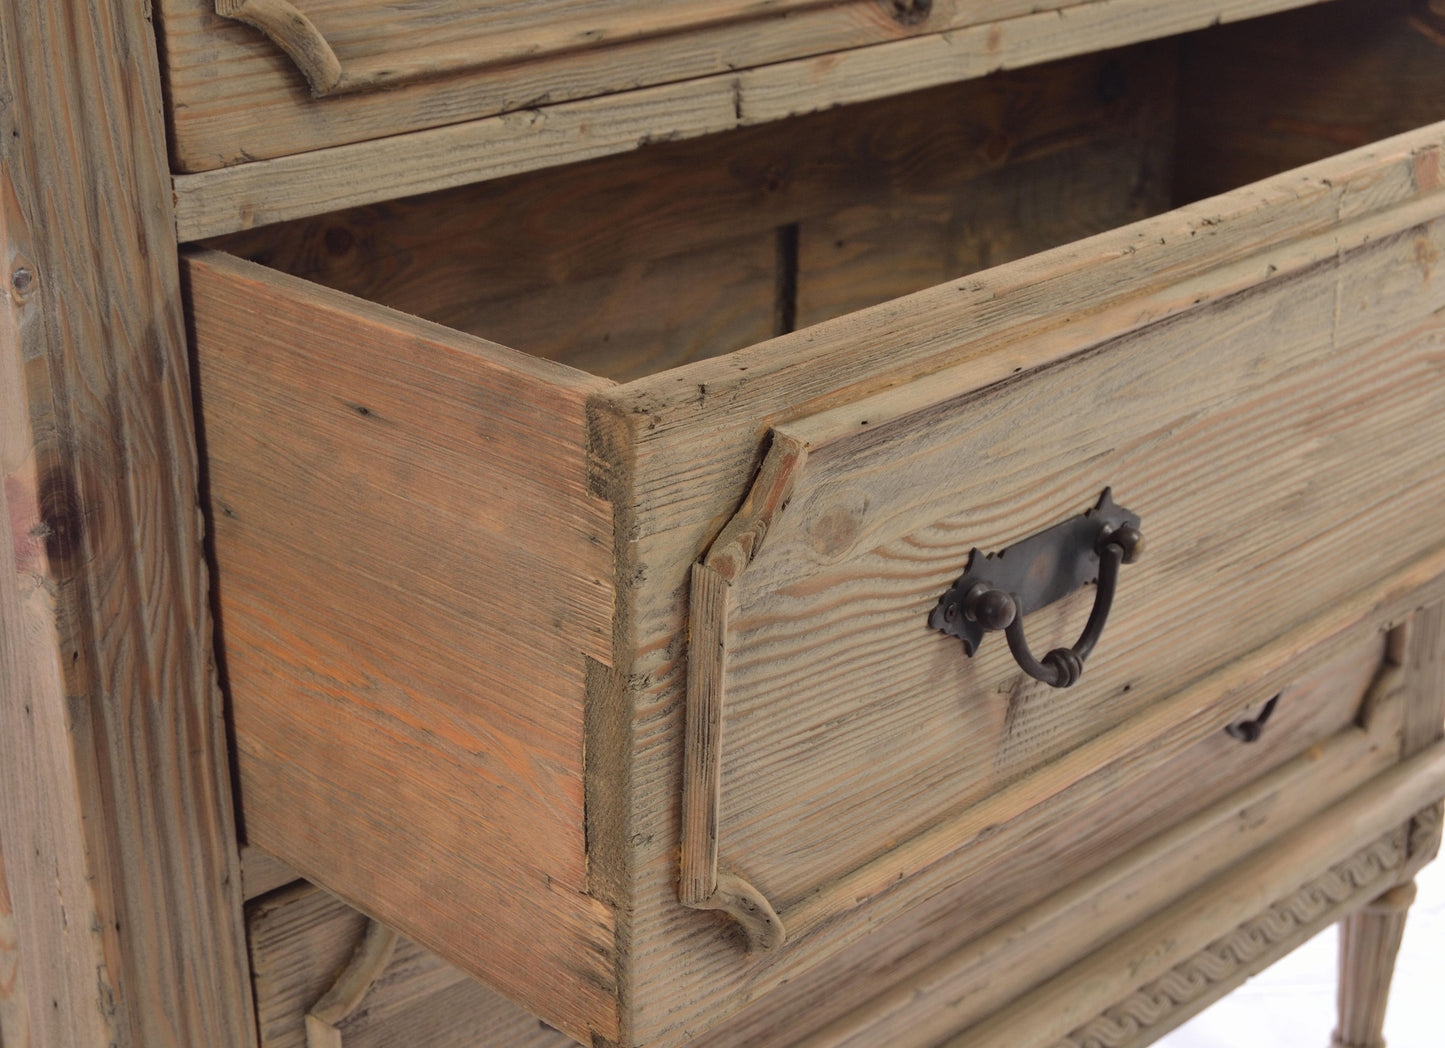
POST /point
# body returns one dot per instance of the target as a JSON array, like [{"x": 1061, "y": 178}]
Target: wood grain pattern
[
  {"x": 238, "y": 100},
  {"x": 301, "y": 939},
  {"x": 361, "y": 499},
  {"x": 633, "y": 264},
  {"x": 1424, "y": 661},
  {"x": 888, "y": 729},
  {"x": 1150, "y": 950},
  {"x": 213, "y": 202},
  {"x": 387, "y": 45},
  {"x": 1182, "y": 992},
  {"x": 710, "y": 419},
  {"x": 115, "y": 797},
  {"x": 14, "y": 1017},
  {"x": 928, "y": 1002}
]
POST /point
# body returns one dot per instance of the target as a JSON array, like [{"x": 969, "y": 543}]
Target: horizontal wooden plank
[
  {"x": 210, "y": 203},
  {"x": 236, "y": 98},
  {"x": 411, "y": 575}
]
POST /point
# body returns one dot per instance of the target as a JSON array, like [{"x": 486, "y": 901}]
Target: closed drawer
[
  {"x": 323, "y": 971},
  {"x": 251, "y": 80},
  {"x": 520, "y": 655}
]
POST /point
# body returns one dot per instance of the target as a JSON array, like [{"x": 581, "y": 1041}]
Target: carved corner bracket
[
  {"x": 367, "y": 964},
  {"x": 289, "y": 29},
  {"x": 703, "y": 886}
]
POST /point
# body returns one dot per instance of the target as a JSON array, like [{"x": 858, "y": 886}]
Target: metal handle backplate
[{"x": 997, "y": 589}]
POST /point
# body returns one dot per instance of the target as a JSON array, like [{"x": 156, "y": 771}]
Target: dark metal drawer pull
[
  {"x": 997, "y": 590},
  {"x": 1251, "y": 730}
]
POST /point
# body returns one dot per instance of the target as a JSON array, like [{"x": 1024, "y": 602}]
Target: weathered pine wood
[
  {"x": 386, "y": 45},
  {"x": 982, "y": 972},
  {"x": 1369, "y": 940},
  {"x": 115, "y": 799},
  {"x": 1298, "y": 87},
  {"x": 1183, "y": 991},
  {"x": 710, "y": 419},
  {"x": 1150, "y": 950},
  {"x": 423, "y": 496},
  {"x": 304, "y": 938},
  {"x": 14, "y": 1017},
  {"x": 636, "y": 263},
  {"x": 238, "y": 99},
  {"x": 889, "y": 730},
  {"x": 210, "y": 203},
  {"x": 1424, "y": 662}
]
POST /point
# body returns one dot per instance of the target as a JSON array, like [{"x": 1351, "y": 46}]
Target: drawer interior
[{"x": 634, "y": 264}]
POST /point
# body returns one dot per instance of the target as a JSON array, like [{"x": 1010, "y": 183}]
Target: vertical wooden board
[
  {"x": 116, "y": 817},
  {"x": 1300, "y": 86},
  {"x": 411, "y": 574},
  {"x": 1424, "y": 661},
  {"x": 14, "y": 1010}
]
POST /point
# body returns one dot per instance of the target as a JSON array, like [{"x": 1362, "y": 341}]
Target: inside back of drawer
[{"x": 637, "y": 263}]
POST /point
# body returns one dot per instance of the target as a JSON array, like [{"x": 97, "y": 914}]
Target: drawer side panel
[{"x": 411, "y": 573}]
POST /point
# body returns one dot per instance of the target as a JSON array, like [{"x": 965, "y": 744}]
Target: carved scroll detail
[
  {"x": 290, "y": 30},
  {"x": 702, "y": 886},
  {"x": 1131, "y": 1022},
  {"x": 1425, "y": 833},
  {"x": 367, "y": 964}
]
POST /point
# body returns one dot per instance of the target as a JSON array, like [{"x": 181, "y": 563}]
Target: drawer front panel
[
  {"x": 242, "y": 74},
  {"x": 1258, "y": 442}
]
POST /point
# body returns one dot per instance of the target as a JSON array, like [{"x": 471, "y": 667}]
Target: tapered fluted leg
[{"x": 1369, "y": 941}]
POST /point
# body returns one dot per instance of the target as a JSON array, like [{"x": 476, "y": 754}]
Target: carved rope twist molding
[{"x": 1128, "y": 1023}]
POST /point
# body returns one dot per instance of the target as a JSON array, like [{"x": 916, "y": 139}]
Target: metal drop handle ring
[{"x": 994, "y": 610}]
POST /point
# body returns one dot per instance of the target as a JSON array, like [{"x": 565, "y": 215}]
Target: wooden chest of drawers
[{"x": 598, "y": 401}]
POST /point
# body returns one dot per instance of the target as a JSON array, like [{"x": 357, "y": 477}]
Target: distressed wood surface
[
  {"x": 947, "y": 967},
  {"x": 710, "y": 419},
  {"x": 1062, "y": 1005},
  {"x": 116, "y": 817},
  {"x": 302, "y": 940},
  {"x": 637, "y": 263},
  {"x": 14, "y": 1014},
  {"x": 263, "y": 191},
  {"x": 1278, "y": 404},
  {"x": 383, "y": 45},
  {"x": 405, "y": 657},
  {"x": 1168, "y": 1001}
]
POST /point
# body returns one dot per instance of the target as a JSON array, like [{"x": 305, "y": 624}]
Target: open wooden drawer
[{"x": 519, "y": 656}]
